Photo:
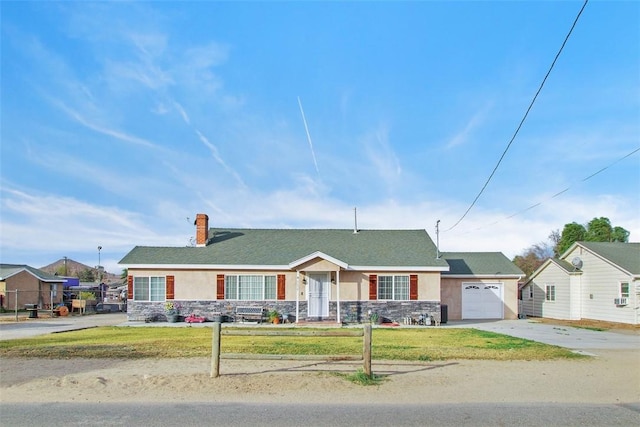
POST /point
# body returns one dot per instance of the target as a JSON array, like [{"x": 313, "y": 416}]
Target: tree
[
  {"x": 554, "y": 238},
  {"x": 86, "y": 275},
  {"x": 597, "y": 230},
  {"x": 571, "y": 233},
  {"x": 533, "y": 257},
  {"x": 619, "y": 234}
]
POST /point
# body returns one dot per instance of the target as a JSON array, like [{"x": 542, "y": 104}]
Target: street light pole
[
  {"x": 99, "y": 266},
  {"x": 100, "y": 275}
]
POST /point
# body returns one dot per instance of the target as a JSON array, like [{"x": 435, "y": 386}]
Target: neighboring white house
[{"x": 591, "y": 280}]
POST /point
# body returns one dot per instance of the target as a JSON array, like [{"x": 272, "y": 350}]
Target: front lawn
[{"x": 387, "y": 344}]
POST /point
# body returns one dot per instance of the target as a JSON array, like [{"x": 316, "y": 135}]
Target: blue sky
[{"x": 122, "y": 120}]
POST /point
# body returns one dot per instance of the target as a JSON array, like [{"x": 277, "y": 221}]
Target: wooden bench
[{"x": 250, "y": 313}]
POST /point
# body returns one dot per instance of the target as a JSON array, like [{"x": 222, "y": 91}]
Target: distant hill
[{"x": 73, "y": 268}]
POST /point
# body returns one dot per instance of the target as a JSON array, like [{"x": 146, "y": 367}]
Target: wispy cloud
[
  {"x": 196, "y": 68},
  {"x": 381, "y": 155},
  {"x": 52, "y": 222},
  {"x": 472, "y": 124},
  {"x": 124, "y": 137},
  {"x": 183, "y": 113},
  {"x": 216, "y": 155}
]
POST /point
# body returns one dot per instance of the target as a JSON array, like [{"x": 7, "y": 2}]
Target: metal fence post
[
  {"x": 16, "y": 305},
  {"x": 215, "y": 351}
]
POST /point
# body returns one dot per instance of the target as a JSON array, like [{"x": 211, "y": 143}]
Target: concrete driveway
[
  {"x": 562, "y": 336},
  {"x": 10, "y": 329}
]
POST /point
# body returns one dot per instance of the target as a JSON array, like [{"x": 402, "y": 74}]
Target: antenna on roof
[
  {"x": 438, "y": 239},
  {"x": 355, "y": 220}
]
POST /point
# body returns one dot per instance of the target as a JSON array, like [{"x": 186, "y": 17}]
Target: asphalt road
[{"x": 309, "y": 415}]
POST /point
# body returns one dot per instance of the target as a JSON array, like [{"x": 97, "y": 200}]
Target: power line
[
  {"x": 559, "y": 193},
  {"x": 523, "y": 118}
]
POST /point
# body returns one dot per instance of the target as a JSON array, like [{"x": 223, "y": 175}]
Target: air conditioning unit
[{"x": 621, "y": 301}]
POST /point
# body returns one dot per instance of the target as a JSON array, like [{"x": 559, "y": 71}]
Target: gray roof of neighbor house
[
  {"x": 480, "y": 264},
  {"x": 280, "y": 247},
  {"x": 565, "y": 265},
  {"x": 8, "y": 270},
  {"x": 624, "y": 255}
]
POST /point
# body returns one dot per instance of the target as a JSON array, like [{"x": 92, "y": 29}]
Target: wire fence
[{"x": 46, "y": 301}]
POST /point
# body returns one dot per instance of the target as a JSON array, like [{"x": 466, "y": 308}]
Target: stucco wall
[
  {"x": 30, "y": 291},
  {"x": 451, "y": 295},
  {"x": 354, "y": 286},
  {"x": 202, "y": 284}
]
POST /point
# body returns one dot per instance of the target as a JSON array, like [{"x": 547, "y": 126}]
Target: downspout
[
  {"x": 297, "y": 295},
  {"x": 520, "y": 301}
]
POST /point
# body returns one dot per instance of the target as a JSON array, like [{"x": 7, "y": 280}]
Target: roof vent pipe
[
  {"x": 438, "y": 239},
  {"x": 355, "y": 220}
]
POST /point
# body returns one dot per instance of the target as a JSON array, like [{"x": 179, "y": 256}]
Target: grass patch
[
  {"x": 428, "y": 344},
  {"x": 360, "y": 378}
]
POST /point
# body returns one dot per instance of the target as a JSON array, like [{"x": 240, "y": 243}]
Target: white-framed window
[
  {"x": 624, "y": 289},
  {"x": 250, "y": 287},
  {"x": 149, "y": 288},
  {"x": 393, "y": 287},
  {"x": 550, "y": 292},
  {"x": 54, "y": 290},
  {"x": 530, "y": 291}
]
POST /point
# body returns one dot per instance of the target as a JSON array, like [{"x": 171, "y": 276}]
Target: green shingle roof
[
  {"x": 565, "y": 265},
  {"x": 277, "y": 247},
  {"x": 624, "y": 255},
  {"x": 480, "y": 264},
  {"x": 8, "y": 270}
]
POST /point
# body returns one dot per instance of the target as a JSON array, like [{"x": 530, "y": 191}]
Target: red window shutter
[
  {"x": 130, "y": 287},
  {"x": 170, "y": 281},
  {"x": 220, "y": 286},
  {"x": 281, "y": 286},
  {"x": 413, "y": 287},
  {"x": 373, "y": 287}
]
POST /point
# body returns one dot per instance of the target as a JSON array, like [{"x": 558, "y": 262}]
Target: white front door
[{"x": 318, "y": 295}]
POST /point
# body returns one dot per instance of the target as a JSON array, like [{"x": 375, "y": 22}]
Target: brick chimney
[{"x": 202, "y": 229}]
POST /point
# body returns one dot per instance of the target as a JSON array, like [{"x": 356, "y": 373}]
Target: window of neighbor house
[
  {"x": 393, "y": 287},
  {"x": 250, "y": 287},
  {"x": 530, "y": 291},
  {"x": 149, "y": 288},
  {"x": 624, "y": 290},
  {"x": 550, "y": 292}
]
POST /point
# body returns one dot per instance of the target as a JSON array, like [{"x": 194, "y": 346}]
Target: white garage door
[{"x": 482, "y": 301}]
